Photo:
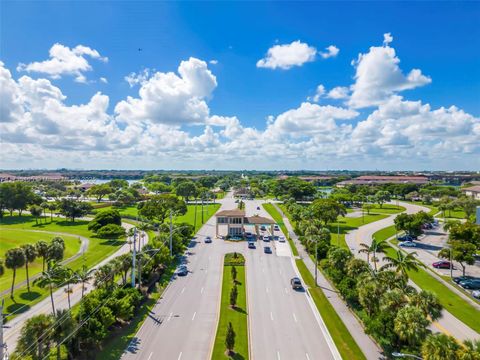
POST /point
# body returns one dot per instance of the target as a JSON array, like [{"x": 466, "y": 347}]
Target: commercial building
[
  {"x": 232, "y": 223},
  {"x": 379, "y": 180},
  {"x": 473, "y": 191}
]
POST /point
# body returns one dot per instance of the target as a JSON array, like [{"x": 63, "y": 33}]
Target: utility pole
[
  {"x": 134, "y": 255},
  {"x": 195, "y": 214},
  {"x": 451, "y": 265},
  {"x": 2, "y": 345},
  {"x": 202, "y": 210},
  {"x": 171, "y": 233},
  {"x": 316, "y": 262}
]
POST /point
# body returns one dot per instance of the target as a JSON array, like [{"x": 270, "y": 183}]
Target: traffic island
[{"x": 231, "y": 340}]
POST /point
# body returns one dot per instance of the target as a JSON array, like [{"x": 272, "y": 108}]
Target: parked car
[
  {"x": 405, "y": 238},
  {"x": 208, "y": 240},
  {"x": 442, "y": 264},
  {"x": 263, "y": 228},
  {"x": 471, "y": 284},
  {"x": 281, "y": 238},
  {"x": 459, "y": 279},
  {"x": 476, "y": 294},
  {"x": 258, "y": 207},
  {"x": 408, "y": 244},
  {"x": 276, "y": 228},
  {"x": 267, "y": 250},
  {"x": 296, "y": 283},
  {"x": 236, "y": 200},
  {"x": 266, "y": 238},
  {"x": 182, "y": 270},
  {"x": 248, "y": 235},
  {"x": 251, "y": 245}
]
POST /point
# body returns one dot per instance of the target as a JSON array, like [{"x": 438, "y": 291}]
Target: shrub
[
  {"x": 104, "y": 218},
  {"x": 111, "y": 231}
]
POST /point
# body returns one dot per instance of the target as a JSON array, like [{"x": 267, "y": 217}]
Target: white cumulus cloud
[
  {"x": 331, "y": 51},
  {"x": 286, "y": 56},
  {"x": 338, "y": 92},
  {"x": 65, "y": 61}
]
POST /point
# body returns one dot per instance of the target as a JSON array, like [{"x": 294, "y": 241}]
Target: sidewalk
[{"x": 369, "y": 348}]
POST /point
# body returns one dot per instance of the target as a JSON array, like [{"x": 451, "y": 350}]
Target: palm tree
[
  {"x": 84, "y": 275},
  {"x": 69, "y": 277},
  {"x": 411, "y": 325},
  {"x": 312, "y": 230},
  {"x": 65, "y": 325},
  {"x": 52, "y": 206},
  {"x": 44, "y": 206},
  {"x": 469, "y": 351},
  {"x": 2, "y": 268},
  {"x": 42, "y": 251},
  {"x": 104, "y": 276},
  {"x": 428, "y": 303},
  {"x": 30, "y": 255},
  {"x": 52, "y": 277},
  {"x": 374, "y": 248},
  {"x": 36, "y": 331},
  {"x": 14, "y": 259},
  {"x": 402, "y": 263},
  {"x": 439, "y": 347}
]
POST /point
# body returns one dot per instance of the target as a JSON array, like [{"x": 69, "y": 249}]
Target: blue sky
[{"x": 257, "y": 104}]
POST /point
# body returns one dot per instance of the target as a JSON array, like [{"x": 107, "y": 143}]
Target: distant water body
[{"x": 103, "y": 181}]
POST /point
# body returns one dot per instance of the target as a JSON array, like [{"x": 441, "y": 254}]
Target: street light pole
[
  {"x": 134, "y": 255},
  {"x": 316, "y": 261},
  {"x": 171, "y": 233}
]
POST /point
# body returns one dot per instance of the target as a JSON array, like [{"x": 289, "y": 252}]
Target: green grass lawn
[
  {"x": 189, "y": 217},
  {"x": 451, "y": 301},
  {"x": 237, "y": 316},
  {"x": 387, "y": 209},
  {"x": 279, "y": 220},
  {"x": 433, "y": 209},
  {"x": 345, "y": 343},
  {"x": 98, "y": 249},
  {"x": 11, "y": 238}
]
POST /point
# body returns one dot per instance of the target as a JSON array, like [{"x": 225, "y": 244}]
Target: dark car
[
  {"x": 459, "y": 279},
  {"x": 251, "y": 245},
  {"x": 182, "y": 270},
  {"x": 267, "y": 250},
  {"x": 405, "y": 238},
  {"x": 258, "y": 207},
  {"x": 442, "y": 264},
  {"x": 208, "y": 240},
  {"x": 471, "y": 284},
  {"x": 296, "y": 283}
]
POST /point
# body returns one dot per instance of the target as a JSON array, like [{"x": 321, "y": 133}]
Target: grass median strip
[
  {"x": 279, "y": 220},
  {"x": 345, "y": 343},
  {"x": 451, "y": 301},
  {"x": 235, "y": 315}
]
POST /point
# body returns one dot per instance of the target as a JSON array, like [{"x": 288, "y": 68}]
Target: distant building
[
  {"x": 379, "y": 180},
  {"x": 478, "y": 215},
  {"x": 234, "y": 222},
  {"x": 84, "y": 187},
  {"x": 473, "y": 191},
  {"x": 44, "y": 177}
]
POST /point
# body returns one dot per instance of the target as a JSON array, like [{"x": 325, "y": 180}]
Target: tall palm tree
[
  {"x": 65, "y": 326},
  {"x": 14, "y": 259},
  {"x": 470, "y": 350},
  {"x": 374, "y": 248},
  {"x": 36, "y": 331},
  {"x": 84, "y": 275},
  {"x": 428, "y": 303},
  {"x": 69, "y": 277},
  {"x": 402, "y": 263},
  {"x": 42, "y": 251},
  {"x": 439, "y": 347},
  {"x": 51, "y": 278},
  {"x": 104, "y": 276},
  {"x": 30, "y": 255},
  {"x": 411, "y": 325},
  {"x": 312, "y": 230}
]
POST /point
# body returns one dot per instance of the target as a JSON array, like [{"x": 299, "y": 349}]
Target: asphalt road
[
  {"x": 448, "y": 323},
  {"x": 14, "y": 327},
  {"x": 283, "y": 323}
]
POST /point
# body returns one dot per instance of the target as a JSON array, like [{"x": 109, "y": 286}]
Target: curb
[
  {"x": 219, "y": 304},
  {"x": 248, "y": 313}
]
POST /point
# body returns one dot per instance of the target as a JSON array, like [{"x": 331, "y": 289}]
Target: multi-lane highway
[{"x": 284, "y": 324}]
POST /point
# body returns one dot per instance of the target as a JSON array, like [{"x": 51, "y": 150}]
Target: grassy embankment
[
  {"x": 450, "y": 300},
  {"x": 236, "y": 315}
]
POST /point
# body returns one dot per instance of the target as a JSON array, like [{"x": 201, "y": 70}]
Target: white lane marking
[
  {"x": 294, "y": 317},
  {"x": 179, "y": 356},
  {"x": 306, "y": 355},
  {"x": 201, "y": 291},
  {"x": 263, "y": 270},
  {"x": 150, "y": 356},
  {"x": 286, "y": 291},
  {"x": 266, "y": 289},
  {"x": 280, "y": 271},
  {"x": 209, "y": 258},
  {"x": 183, "y": 290},
  {"x": 271, "y": 315},
  {"x": 206, "y": 271},
  {"x": 278, "y": 355},
  {"x": 170, "y": 316},
  {"x": 193, "y": 317}
]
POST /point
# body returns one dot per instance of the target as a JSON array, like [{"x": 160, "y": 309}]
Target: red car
[{"x": 443, "y": 264}]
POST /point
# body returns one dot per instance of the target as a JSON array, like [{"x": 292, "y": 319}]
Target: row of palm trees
[{"x": 26, "y": 254}]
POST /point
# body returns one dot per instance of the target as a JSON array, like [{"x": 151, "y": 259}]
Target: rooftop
[
  {"x": 233, "y": 212},
  {"x": 475, "y": 189}
]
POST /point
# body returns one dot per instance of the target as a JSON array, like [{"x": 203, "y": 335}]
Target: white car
[
  {"x": 408, "y": 244},
  {"x": 276, "y": 228},
  {"x": 476, "y": 294},
  {"x": 281, "y": 238}
]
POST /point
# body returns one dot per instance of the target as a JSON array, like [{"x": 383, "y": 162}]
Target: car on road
[
  {"x": 267, "y": 250},
  {"x": 459, "y": 279},
  {"x": 296, "y": 283},
  {"x": 208, "y": 240},
  {"x": 248, "y": 235},
  {"x": 258, "y": 207},
  {"x": 236, "y": 200},
  {"x": 263, "y": 228},
  {"x": 251, "y": 245},
  {"x": 408, "y": 244},
  {"x": 182, "y": 270},
  {"x": 266, "y": 238},
  {"x": 281, "y": 238},
  {"x": 476, "y": 294},
  {"x": 276, "y": 228},
  {"x": 471, "y": 284},
  {"x": 442, "y": 264}
]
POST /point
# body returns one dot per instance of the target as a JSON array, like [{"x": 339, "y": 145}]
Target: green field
[
  {"x": 344, "y": 341},
  {"x": 387, "y": 209},
  {"x": 189, "y": 217},
  {"x": 279, "y": 220},
  {"x": 451, "y": 301},
  {"x": 237, "y": 316},
  {"x": 11, "y": 238},
  {"x": 433, "y": 209},
  {"x": 98, "y": 249}
]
